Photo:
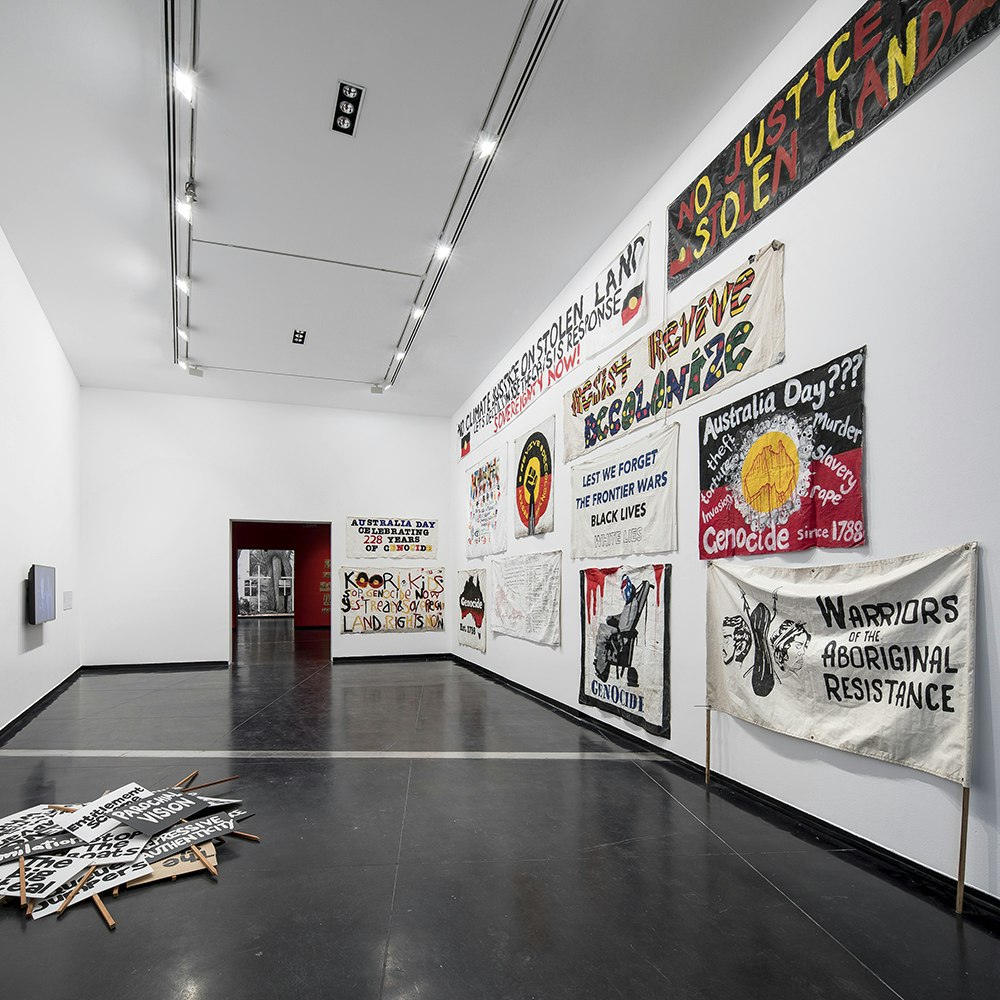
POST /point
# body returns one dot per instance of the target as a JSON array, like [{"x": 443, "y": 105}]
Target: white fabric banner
[
  {"x": 875, "y": 658},
  {"x": 392, "y": 538},
  {"x": 487, "y": 506},
  {"x": 534, "y": 508},
  {"x": 625, "y": 501},
  {"x": 555, "y": 347},
  {"x": 734, "y": 329},
  {"x": 526, "y": 596},
  {"x": 394, "y": 599},
  {"x": 625, "y": 655},
  {"x": 472, "y": 608},
  {"x": 622, "y": 291}
]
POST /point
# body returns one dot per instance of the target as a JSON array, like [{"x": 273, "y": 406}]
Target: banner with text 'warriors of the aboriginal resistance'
[
  {"x": 472, "y": 608},
  {"x": 392, "y": 538},
  {"x": 527, "y": 597},
  {"x": 625, "y": 653},
  {"x": 612, "y": 299},
  {"x": 487, "y": 481},
  {"x": 876, "y": 658},
  {"x": 534, "y": 506},
  {"x": 734, "y": 329},
  {"x": 391, "y": 599},
  {"x": 625, "y": 500},
  {"x": 781, "y": 470}
]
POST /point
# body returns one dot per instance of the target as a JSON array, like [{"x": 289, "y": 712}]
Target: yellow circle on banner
[{"x": 770, "y": 471}]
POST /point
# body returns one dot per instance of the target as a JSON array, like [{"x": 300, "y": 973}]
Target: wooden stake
[
  {"x": 79, "y": 885},
  {"x": 963, "y": 841},
  {"x": 63, "y": 809},
  {"x": 208, "y": 784},
  {"x": 24, "y": 888},
  {"x": 208, "y": 864},
  {"x": 708, "y": 744},
  {"x": 184, "y": 781},
  {"x": 103, "y": 910},
  {"x": 245, "y": 836},
  {"x": 31, "y": 906}
]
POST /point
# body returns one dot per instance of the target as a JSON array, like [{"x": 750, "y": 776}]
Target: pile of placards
[{"x": 54, "y": 856}]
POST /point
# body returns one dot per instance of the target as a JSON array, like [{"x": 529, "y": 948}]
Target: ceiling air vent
[
  {"x": 345, "y": 114},
  {"x": 298, "y": 336}
]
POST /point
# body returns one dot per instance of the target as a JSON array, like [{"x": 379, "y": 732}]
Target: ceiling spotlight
[
  {"x": 486, "y": 146},
  {"x": 417, "y": 312},
  {"x": 195, "y": 370},
  {"x": 184, "y": 285},
  {"x": 377, "y": 389},
  {"x": 349, "y": 97},
  {"x": 442, "y": 251},
  {"x": 184, "y": 82},
  {"x": 183, "y": 334},
  {"x": 400, "y": 355},
  {"x": 184, "y": 210}
]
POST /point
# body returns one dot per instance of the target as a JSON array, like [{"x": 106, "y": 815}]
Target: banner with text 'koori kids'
[
  {"x": 625, "y": 500},
  {"x": 733, "y": 329},
  {"x": 876, "y": 658},
  {"x": 781, "y": 470},
  {"x": 391, "y": 599}
]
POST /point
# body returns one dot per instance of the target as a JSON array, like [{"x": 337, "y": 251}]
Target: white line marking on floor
[{"x": 611, "y": 755}]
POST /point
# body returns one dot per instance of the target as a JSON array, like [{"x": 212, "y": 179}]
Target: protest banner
[
  {"x": 392, "y": 538},
  {"x": 376, "y": 600},
  {"x": 527, "y": 592}
]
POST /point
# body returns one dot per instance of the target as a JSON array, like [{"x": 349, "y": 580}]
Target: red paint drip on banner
[
  {"x": 595, "y": 586},
  {"x": 658, "y": 573}
]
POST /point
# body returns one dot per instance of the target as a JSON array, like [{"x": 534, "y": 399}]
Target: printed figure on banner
[
  {"x": 781, "y": 470},
  {"x": 533, "y": 481},
  {"x": 625, "y": 652}
]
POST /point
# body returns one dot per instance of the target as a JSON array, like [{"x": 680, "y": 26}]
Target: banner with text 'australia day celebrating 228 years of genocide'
[
  {"x": 734, "y": 329},
  {"x": 876, "y": 658}
]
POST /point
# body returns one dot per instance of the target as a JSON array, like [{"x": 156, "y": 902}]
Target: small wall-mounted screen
[{"x": 41, "y": 594}]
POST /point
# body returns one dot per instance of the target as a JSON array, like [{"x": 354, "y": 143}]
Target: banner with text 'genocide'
[
  {"x": 732, "y": 330},
  {"x": 875, "y": 658},
  {"x": 781, "y": 470},
  {"x": 887, "y": 52}
]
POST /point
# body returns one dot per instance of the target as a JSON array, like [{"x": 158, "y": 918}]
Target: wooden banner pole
[
  {"x": 963, "y": 841},
  {"x": 708, "y": 743}
]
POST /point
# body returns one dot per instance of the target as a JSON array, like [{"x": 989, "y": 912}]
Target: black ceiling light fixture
[
  {"x": 298, "y": 336},
  {"x": 345, "y": 114}
]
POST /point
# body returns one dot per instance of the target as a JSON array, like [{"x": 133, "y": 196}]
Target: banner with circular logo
[{"x": 533, "y": 481}]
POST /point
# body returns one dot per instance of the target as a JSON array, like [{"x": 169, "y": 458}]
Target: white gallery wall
[
  {"x": 39, "y": 501},
  {"x": 162, "y": 476},
  {"x": 894, "y": 246}
]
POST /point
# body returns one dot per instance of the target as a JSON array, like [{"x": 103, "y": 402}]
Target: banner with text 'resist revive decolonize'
[{"x": 732, "y": 330}]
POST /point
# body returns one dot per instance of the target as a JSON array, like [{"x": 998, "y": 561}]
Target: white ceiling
[{"x": 297, "y": 227}]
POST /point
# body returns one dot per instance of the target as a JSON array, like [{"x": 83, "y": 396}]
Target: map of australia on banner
[{"x": 781, "y": 470}]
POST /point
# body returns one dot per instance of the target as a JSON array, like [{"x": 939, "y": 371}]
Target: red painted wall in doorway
[{"x": 311, "y": 543}]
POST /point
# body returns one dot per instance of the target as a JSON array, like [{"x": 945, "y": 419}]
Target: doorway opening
[{"x": 280, "y": 590}]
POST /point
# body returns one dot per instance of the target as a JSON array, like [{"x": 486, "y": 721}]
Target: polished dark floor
[{"x": 538, "y": 859}]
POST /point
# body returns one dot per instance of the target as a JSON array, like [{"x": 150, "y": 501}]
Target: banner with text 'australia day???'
[{"x": 781, "y": 470}]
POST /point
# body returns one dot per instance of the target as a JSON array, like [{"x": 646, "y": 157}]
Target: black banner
[
  {"x": 886, "y": 53},
  {"x": 780, "y": 470}
]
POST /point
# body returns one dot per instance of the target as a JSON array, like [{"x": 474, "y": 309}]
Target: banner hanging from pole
[{"x": 875, "y": 658}]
